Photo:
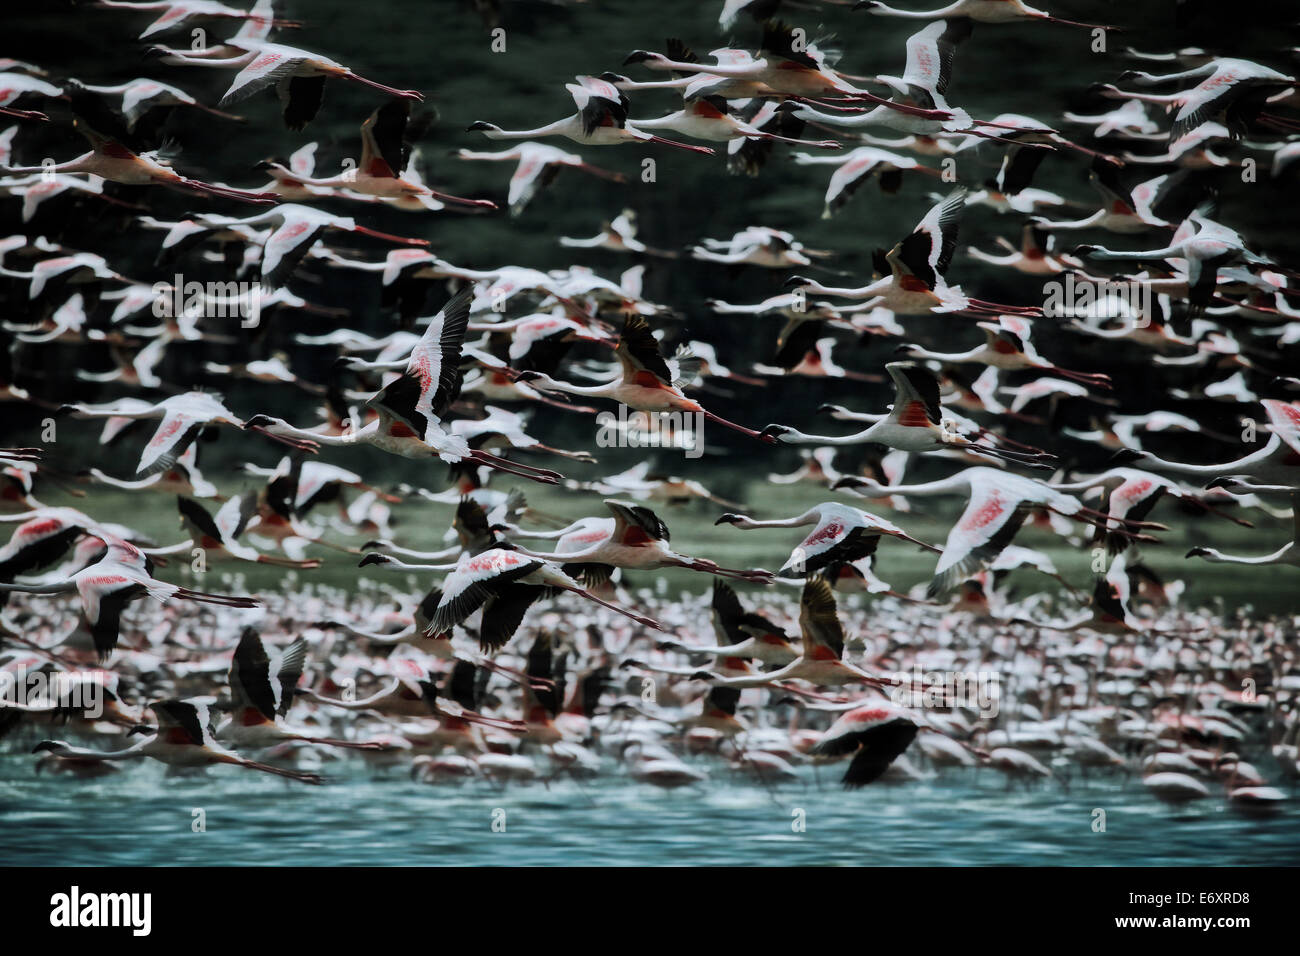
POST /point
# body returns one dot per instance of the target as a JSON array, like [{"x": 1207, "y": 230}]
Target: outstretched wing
[{"x": 423, "y": 393}]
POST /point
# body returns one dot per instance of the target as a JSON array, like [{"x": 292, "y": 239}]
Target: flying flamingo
[
  {"x": 639, "y": 540},
  {"x": 504, "y": 583},
  {"x": 601, "y": 120},
  {"x": 538, "y": 166},
  {"x": 262, "y": 690},
  {"x": 1007, "y": 347},
  {"x": 915, "y": 423},
  {"x": 916, "y": 266},
  {"x": 875, "y": 734},
  {"x": 174, "y": 14},
  {"x": 183, "y": 418},
  {"x": 646, "y": 384},
  {"x": 840, "y": 533},
  {"x": 110, "y": 159},
  {"x": 183, "y": 739},
  {"x": 384, "y": 155},
  {"x": 997, "y": 505},
  {"x": 983, "y": 11},
  {"x": 821, "y": 661},
  {"x": 411, "y": 408},
  {"x": 122, "y": 575}
]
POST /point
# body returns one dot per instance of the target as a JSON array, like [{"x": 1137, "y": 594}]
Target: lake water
[{"x": 141, "y": 816}]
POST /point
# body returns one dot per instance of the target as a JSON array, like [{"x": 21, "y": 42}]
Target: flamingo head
[
  {"x": 772, "y": 433},
  {"x": 644, "y": 56},
  {"x": 1126, "y": 456}
]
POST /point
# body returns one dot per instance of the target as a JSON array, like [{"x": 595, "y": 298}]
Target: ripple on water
[{"x": 142, "y": 816}]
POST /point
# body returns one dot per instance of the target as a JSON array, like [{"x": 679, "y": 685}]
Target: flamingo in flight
[
  {"x": 840, "y": 533},
  {"x": 983, "y": 11},
  {"x": 821, "y": 662},
  {"x": 183, "y": 418},
  {"x": 539, "y": 163},
  {"x": 1275, "y": 467},
  {"x": 504, "y": 583},
  {"x": 601, "y": 120},
  {"x": 915, "y": 423},
  {"x": 262, "y": 689},
  {"x": 110, "y": 159},
  {"x": 175, "y": 14},
  {"x": 122, "y": 575},
  {"x": 297, "y": 228},
  {"x": 876, "y": 734},
  {"x": 411, "y": 408},
  {"x": 183, "y": 739},
  {"x": 916, "y": 266},
  {"x": 1007, "y": 347},
  {"x": 142, "y": 94},
  {"x": 647, "y": 383},
  {"x": 746, "y": 634},
  {"x": 1230, "y": 90},
  {"x": 1289, "y": 553},
  {"x": 786, "y": 67},
  {"x": 298, "y": 75},
  {"x": 997, "y": 505},
  {"x": 639, "y": 540},
  {"x": 384, "y": 154}
]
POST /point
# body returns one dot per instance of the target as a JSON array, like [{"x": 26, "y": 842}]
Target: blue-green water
[{"x": 140, "y": 816}]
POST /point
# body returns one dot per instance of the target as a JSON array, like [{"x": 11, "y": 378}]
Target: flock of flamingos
[{"x": 530, "y": 655}]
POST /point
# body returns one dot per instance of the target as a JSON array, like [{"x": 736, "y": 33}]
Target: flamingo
[
  {"x": 411, "y": 408},
  {"x": 601, "y": 120},
  {"x": 1274, "y": 466},
  {"x": 821, "y": 662},
  {"x": 997, "y": 505},
  {"x": 297, "y": 228},
  {"x": 175, "y": 14},
  {"x": 384, "y": 154},
  {"x": 840, "y": 533},
  {"x": 142, "y": 94},
  {"x": 298, "y": 75},
  {"x": 857, "y": 167},
  {"x": 539, "y": 163},
  {"x": 709, "y": 118},
  {"x": 1007, "y": 347},
  {"x": 122, "y": 575},
  {"x": 183, "y": 418},
  {"x": 263, "y": 689},
  {"x": 1289, "y": 553},
  {"x": 504, "y": 583},
  {"x": 740, "y": 633},
  {"x": 983, "y": 11},
  {"x": 639, "y": 540},
  {"x": 915, "y": 284},
  {"x": 875, "y": 734},
  {"x": 647, "y": 383},
  {"x": 1231, "y": 90},
  {"x": 183, "y": 739},
  {"x": 110, "y": 159},
  {"x": 915, "y": 423}
]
